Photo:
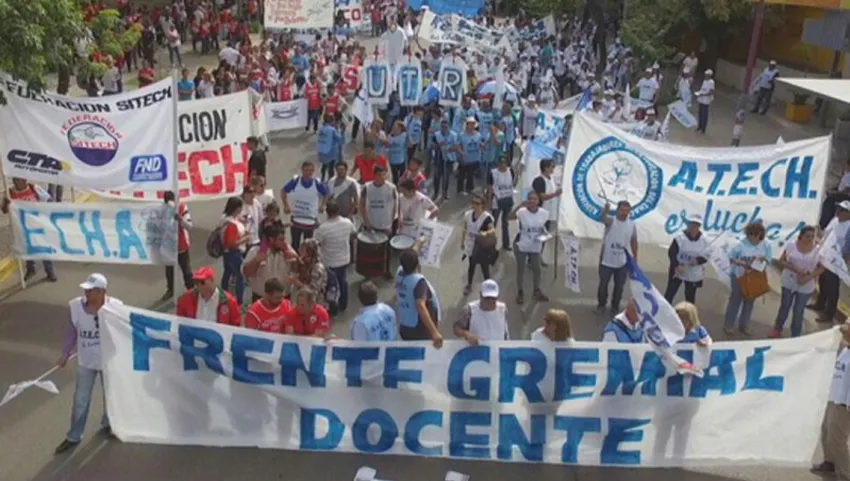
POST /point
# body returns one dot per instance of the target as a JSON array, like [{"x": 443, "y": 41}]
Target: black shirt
[{"x": 257, "y": 163}]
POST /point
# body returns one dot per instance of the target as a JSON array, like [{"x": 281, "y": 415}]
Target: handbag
[
  {"x": 753, "y": 285},
  {"x": 484, "y": 250}
]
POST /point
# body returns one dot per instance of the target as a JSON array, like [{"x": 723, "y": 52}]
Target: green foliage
[
  {"x": 37, "y": 37},
  {"x": 109, "y": 39},
  {"x": 541, "y": 8}
]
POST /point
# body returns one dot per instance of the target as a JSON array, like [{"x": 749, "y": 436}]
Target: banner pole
[
  {"x": 20, "y": 264},
  {"x": 557, "y": 238},
  {"x": 175, "y": 155}
]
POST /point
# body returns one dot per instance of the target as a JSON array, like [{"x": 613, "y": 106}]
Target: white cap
[
  {"x": 650, "y": 111},
  {"x": 609, "y": 92},
  {"x": 531, "y": 98},
  {"x": 773, "y": 62},
  {"x": 471, "y": 119},
  {"x": 686, "y": 71},
  {"x": 97, "y": 281},
  {"x": 844, "y": 204},
  {"x": 655, "y": 65},
  {"x": 695, "y": 219},
  {"x": 490, "y": 288},
  {"x": 708, "y": 71},
  {"x": 648, "y": 70}
]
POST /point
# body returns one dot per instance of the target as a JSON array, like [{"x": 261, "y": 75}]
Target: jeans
[
  {"x": 738, "y": 309},
  {"x": 466, "y": 177},
  {"x": 673, "y": 284},
  {"x": 503, "y": 209},
  {"x": 442, "y": 173},
  {"x": 82, "y": 400},
  {"x": 185, "y": 268},
  {"x": 172, "y": 53},
  {"x": 828, "y": 290},
  {"x": 397, "y": 170},
  {"x": 605, "y": 274},
  {"x": 298, "y": 234},
  {"x": 232, "y": 259},
  {"x": 531, "y": 258},
  {"x": 341, "y": 274},
  {"x": 795, "y": 303},
  {"x": 327, "y": 171},
  {"x": 48, "y": 267},
  {"x": 313, "y": 116},
  {"x": 764, "y": 96},
  {"x": 702, "y": 120}
]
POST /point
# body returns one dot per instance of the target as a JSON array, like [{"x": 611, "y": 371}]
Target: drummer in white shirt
[
  {"x": 304, "y": 198},
  {"x": 379, "y": 207},
  {"x": 413, "y": 207}
]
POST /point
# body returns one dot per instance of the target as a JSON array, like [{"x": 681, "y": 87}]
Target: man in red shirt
[
  {"x": 334, "y": 103},
  {"x": 147, "y": 75},
  {"x": 207, "y": 302},
  {"x": 307, "y": 318},
  {"x": 414, "y": 173},
  {"x": 25, "y": 192},
  {"x": 184, "y": 223},
  {"x": 270, "y": 312},
  {"x": 365, "y": 163},
  {"x": 313, "y": 93}
]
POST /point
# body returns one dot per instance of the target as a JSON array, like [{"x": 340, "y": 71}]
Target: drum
[
  {"x": 304, "y": 223},
  {"x": 371, "y": 260},
  {"x": 401, "y": 242}
]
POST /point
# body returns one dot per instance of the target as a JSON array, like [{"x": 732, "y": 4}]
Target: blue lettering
[
  {"x": 686, "y": 175},
  {"x": 212, "y": 348},
  {"x": 127, "y": 237},
  {"x": 719, "y": 170},
  {"x": 143, "y": 343},
  {"x": 354, "y": 357},
  {"x": 510, "y": 380},
  {"x": 413, "y": 430},
  {"x": 360, "y": 429},
  {"x": 621, "y": 372},
  {"x": 479, "y": 386},
  {"x": 566, "y": 380},
  {"x": 308, "y": 430},
  {"x": 94, "y": 235},
  {"x": 744, "y": 174},
  {"x": 766, "y": 186},
  {"x": 450, "y": 84},
  {"x": 240, "y": 346},
  {"x": 622, "y": 431},
  {"x": 575, "y": 427},
  {"x": 394, "y": 374},
  {"x": 29, "y": 233},
  {"x": 377, "y": 76},
  {"x": 55, "y": 217},
  {"x": 755, "y": 372},
  {"x": 511, "y": 434},
  {"x": 291, "y": 362},
  {"x": 463, "y": 444},
  {"x": 798, "y": 175},
  {"x": 723, "y": 381}
]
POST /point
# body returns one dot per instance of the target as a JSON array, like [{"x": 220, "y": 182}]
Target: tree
[
  {"x": 110, "y": 39},
  {"x": 38, "y": 37}
]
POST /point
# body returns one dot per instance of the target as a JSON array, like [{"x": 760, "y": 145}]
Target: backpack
[{"x": 215, "y": 244}]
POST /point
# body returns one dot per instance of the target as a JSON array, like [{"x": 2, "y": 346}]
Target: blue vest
[
  {"x": 623, "y": 333},
  {"x": 325, "y": 143},
  {"x": 450, "y": 138},
  {"x": 414, "y": 130},
  {"x": 471, "y": 148},
  {"x": 694, "y": 335},
  {"x": 398, "y": 149},
  {"x": 378, "y": 321},
  {"x": 405, "y": 291},
  {"x": 510, "y": 129}
]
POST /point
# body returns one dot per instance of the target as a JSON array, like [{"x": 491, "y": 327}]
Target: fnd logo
[
  {"x": 93, "y": 140},
  {"x": 148, "y": 168},
  {"x": 611, "y": 171}
]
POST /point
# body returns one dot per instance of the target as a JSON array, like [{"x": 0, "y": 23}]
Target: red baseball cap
[{"x": 203, "y": 274}]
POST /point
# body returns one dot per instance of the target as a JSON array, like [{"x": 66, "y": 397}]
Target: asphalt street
[{"x": 32, "y": 323}]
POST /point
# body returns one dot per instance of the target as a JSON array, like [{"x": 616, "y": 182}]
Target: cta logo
[
  {"x": 148, "y": 168},
  {"x": 36, "y": 162}
]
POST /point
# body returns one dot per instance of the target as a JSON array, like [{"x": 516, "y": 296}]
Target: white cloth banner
[
  {"x": 299, "y": 14},
  {"x": 437, "y": 236},
  {"x": 286, "y": 115},
  {"x": 235, "y": 387},
  {"x": 720, "y": 247},
  {"x": 123, "y": 141},
  {"x": 831, "y": 258},
  {"x": 681, "y": 113},
  {"x": 121, "y": 233},
  {"x": 361, "y": 110},
  {"x": 728, "y": 187},
  {"x": 212, "y": 161},
  {"x": 571, "y": 267},
  {"x": 353, "y": 12}
]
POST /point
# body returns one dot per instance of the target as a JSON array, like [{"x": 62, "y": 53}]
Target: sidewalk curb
[{"x": 9, "y": 265}]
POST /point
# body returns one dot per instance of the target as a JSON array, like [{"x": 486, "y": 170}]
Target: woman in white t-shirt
[
  {"x": 556, "y": 327},
  {"x": 531, "y": 220},
  {"x": 800, "y": 268}
]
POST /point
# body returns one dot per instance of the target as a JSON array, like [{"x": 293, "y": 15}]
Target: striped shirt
[{"x": 334, "y": 238}]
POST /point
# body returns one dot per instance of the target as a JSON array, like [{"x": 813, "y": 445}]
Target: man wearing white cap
[
  {"x": 485, "y": 319},
  {"x": 650, "y": 128},
  {"x": 647, "y": 87},
  {"x": 688, "y": 255},
  {"x": 764, "y": 84},
  {"x": 705, "y": 96},
  {"x": 83, "y": 336},
  {"x": 829, "y": 285}
]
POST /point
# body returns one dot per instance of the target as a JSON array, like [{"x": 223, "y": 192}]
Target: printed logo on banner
[
  {"x": 36, "y": 162},
  {"x": 148, "y": 168},
  {"x": 611, "y": 171},
  {"x": 284, "y": 113},
  {"x": 93, "y": 140}
]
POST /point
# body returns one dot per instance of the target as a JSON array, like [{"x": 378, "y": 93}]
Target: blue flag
[{"x": 585, "y": 100}]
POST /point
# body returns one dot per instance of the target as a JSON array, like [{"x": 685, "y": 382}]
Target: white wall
[{"x": 732, "y": 75}]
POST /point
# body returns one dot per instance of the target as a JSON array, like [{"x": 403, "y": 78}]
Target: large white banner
[
  {"x": 212, "y": 162},
  {"x": 286, "y": 115},
  {"x": 123, "y": 141},
  {"x": 179, "y": 381},
  {"x": 291, "y": 14},
  {"x": 781, "y": 185},
  {"x": 121, "y": 233}
]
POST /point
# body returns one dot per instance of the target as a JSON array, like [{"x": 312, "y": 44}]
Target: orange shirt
[
  {"x": 367, "y": 166},
  {"x": 316, "y": 322},
  {"x": 262, "y": 318}
]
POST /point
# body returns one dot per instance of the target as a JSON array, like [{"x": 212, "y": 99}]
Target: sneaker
[
  {"x": 29, "y": 275},
  {"x": 107, "y": 431},
  {"x": 729, "y": 331},
  {"x": 466, "y": 290},
  {"x": 520, "y": 298},
  {"x": 823, "y": 468},
  {"x": 745, "y": 331},
  {"x": 65, "y": 445},
  {"x": 540, "y": 296},
  {"x": 774, "y": 334},
  {"x": 169, "y": 294},
  {"x": 507, "y": 248},
  {"x": 599, "y": 310},
  {"x": 51, "y": 277},
  {"x": 814, "y": 307}
]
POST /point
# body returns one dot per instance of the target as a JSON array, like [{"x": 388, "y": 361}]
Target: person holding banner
[
  {"x": 695, "y": 332},
  {"x": 749, "y": 260},
  {"x": 800, "y": 261},
  {"x": 618, "y": 241},
  {"x": 531, "y": 220},
  {"x": 83, "y": 336},
  {"x": 835, "y": 429},
  {"x": 556, "y": 328},
  {"x": 25, "y": 192},
  {"x": 829, "y": 285},
  {"x": 184, "y": 223},
  {"x": 484, "y": 319},
  {"x": 376, "y": 321},
  {"x": 208, "y": 302},
  {"x": 268, "y": 313},
  {"x": 416, "y": 300},
  {"x": 625, "y": 328},
  {"x": 307, "y": 317},
  {"x": 688, "y": 254}
]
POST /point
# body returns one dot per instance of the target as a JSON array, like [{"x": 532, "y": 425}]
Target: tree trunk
[
  {"x": 596, "y": 12},
  {"x": 64, "y": 84}
]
